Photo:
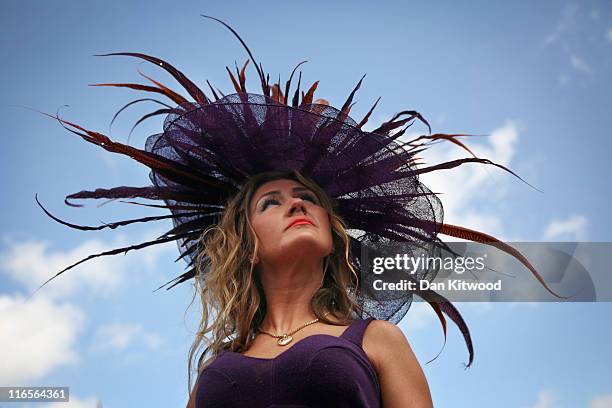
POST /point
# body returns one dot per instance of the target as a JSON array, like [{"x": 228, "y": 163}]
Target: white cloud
[
  {"x": 152, "y": 341},
  {"x": 579, "y": 64},
  {"x": 116, "y": 336},
  {"x": 551, "y": 38},
  {"x": 491, "y": 224},
  {"x": 566, "y": 22},
  {"x": 119, "y": 336},
  {"x": 38, "y": 336},
  {"x": 110, "y": 160},
  {"x": 573, "y": 228},
  {"x": 31, "y": 263},
  {"x": 601, "y": 401},
  {"x": 440, "y": 119},
  {"x": 464, "y": 185},
  {"x": 545, "y": 400},
  {"x": 569, "y": 30},
  {"x": 419, "y": 316}
]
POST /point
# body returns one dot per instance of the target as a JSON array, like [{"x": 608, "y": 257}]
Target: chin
[{"x": 305, "y": 245}]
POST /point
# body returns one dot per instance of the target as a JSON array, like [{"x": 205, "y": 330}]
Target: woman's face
[{"x": 289, "y": 221}]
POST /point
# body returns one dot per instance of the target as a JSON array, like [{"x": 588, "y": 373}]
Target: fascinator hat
[{"x": 212, "y": 143}]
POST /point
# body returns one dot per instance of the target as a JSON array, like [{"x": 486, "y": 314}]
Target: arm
[{"x": 401, "y": 378}]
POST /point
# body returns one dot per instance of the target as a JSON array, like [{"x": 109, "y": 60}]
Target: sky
[{"x": 534, "y": 77}]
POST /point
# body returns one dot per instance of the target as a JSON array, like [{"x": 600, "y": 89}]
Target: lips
[{"x": 300, "y": 221}]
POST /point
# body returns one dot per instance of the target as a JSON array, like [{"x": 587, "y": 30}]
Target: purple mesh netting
[{"x": 369, "y": 175}]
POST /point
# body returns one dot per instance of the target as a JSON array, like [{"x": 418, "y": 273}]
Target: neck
[{"x": 288, "y": 292}]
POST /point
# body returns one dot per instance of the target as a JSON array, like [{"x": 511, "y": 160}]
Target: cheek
[
  {"x": 263, "y": 227},
  {"x": 326, "y": 224}
]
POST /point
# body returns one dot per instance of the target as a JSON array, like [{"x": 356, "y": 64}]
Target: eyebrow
[{"x": 276, "y": 192}]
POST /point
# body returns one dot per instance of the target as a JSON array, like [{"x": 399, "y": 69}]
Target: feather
[
  {"x": 296, "y": 95},
  {"x": 212, "y": 90},
  {"x": 264, "y": 85},
  {"x": 166, "y": 167},
  {"x": 307, "y": 98},
  {"x": 447, "y": 307},
  {"x": 277, "y": 96},
  {"x": 133, "y": 103},
  {"x": 394, "y": 123},
  {"x": 242, "y": 77},
  {"x": 150, "y": 193},
  {"x": 216, "y": 208},
  {"x": 442, "y": 319},
  {"x": 179, "y": 279},
  {"x": 234, "y": 82},
  {"x": 161, "y": 86},
  {"x": 195, "y": 92},
  {"x": 344, "y": 111},
  {"x": 147, "y": 116},
  {"x": 145, "y": 88},
  {"x": 454, "y": 163},
  {"x": 481, "y": 237},
  {"x": 367, "y": 116},
  {"x": 450, "y": 138},
  {"x": 111, "y": 225},
  {"x": 259, "y": 69},
  {"x": 107, "y": 253},
  {"x": 288, "y": 84}
]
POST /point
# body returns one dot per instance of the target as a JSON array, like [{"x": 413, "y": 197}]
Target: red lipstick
[{"x": 300, "y": 221}]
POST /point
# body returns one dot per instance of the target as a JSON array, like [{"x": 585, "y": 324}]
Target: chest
[
  {"x": 268, "y": 347},
  {"x": 317, "y": 371}
]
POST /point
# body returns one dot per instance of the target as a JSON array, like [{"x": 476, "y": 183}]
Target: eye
[
  {"x": 267, "y": 202},
  {"x": 309, "y": 197}
]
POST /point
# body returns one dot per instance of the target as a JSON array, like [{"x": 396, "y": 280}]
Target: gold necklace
[{"x": 284, "y": 339}]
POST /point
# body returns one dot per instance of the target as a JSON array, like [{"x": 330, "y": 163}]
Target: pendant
[{"x": 283, "y": 341}]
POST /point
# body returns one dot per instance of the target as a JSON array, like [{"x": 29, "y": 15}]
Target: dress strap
[{"x": 355, "y": 331}]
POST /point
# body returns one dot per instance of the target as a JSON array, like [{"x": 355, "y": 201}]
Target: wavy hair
[{"x": 231, "y": 292}]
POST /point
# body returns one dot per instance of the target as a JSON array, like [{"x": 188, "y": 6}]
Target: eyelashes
[
  {"x": 267, "y": 202},
  {"x": 304, "y": 196}
]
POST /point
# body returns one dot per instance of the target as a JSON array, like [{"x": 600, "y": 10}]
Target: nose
[{"x": 297, "y": 205}]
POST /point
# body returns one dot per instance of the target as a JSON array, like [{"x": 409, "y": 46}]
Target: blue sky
[{"x": 535, "y": 77}]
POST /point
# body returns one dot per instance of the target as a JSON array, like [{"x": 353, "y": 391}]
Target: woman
[
  {"x": 284, "y": 250},
  {"x": 266, "y": 288}
]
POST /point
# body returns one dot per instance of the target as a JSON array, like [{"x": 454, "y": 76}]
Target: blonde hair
[{"x": 227, "y": 284}]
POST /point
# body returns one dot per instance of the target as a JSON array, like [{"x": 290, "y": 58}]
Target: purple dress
[{"x": 320, "y": 370}]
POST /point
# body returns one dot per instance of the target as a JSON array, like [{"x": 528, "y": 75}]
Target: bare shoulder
[
  {"x": 402, "y": 381},
  {"x": 381, "y": 339},
  {"x": 378, "y": 328}
]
